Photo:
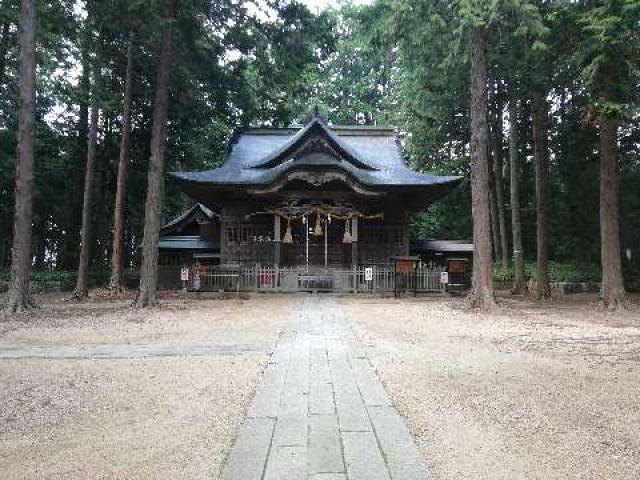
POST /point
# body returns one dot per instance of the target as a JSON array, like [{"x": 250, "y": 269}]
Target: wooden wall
[{"x": 249, "y": 240}]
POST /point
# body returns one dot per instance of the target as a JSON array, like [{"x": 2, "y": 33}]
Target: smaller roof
[
  {"x": 187, "y": 243},
  {"x": 444, "y": 246},
  {"x": 196, "y": 213}
]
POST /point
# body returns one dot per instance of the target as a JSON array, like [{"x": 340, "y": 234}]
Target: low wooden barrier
[{"x": 295, "y": 279}]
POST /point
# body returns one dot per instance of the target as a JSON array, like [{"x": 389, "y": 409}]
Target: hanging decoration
[
  {"x": 297, "y": 212},
  {"x": 347, "y": 234},
  {"x": 292, "y": 212},
  {"x": 288, "y": 237},
  {"x": 317, "y": 231}
]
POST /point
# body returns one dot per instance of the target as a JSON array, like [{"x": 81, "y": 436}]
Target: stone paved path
[{"x": 320, "y": 412}]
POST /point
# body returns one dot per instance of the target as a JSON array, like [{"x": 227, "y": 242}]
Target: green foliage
[
  {"x": 282, "y": 69},
  {"x": 232, "y": 67},
  {"x": 562, "y": 272},
  {"x": 398, "y": 62},
  {"x": 355, "y": 84},
  {"x": 66, "y": 279},
  {"x": 609, "y": 55}
]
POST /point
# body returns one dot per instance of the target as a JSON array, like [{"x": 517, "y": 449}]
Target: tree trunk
[
  {"x": 74, "y": 192},
  {"x": 482, "y": 296},
  {"x": 541, "y": 161},
  {"x": 103, "y": 199},
  {"x": 117, "y": 257},
  {"x": 519, "y": 280},
  {"x": 498, "y": 167},
  {"x": 18, "y": 295},
  {"x": 82, "y": 288},
  {"x": 153, "y": 207},
  {"x": 493, "y": 200},
  {"x": 614, "y": 294}
]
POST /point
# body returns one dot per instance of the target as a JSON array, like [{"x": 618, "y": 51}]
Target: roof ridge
[
  {"x": 295, "y": 127},
  {"x": 279, "y": 155}
]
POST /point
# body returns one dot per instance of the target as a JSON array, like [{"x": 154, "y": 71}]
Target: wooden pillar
[
  {"x": 276, "y": 239},
  {"x": 354, "y": 243}
]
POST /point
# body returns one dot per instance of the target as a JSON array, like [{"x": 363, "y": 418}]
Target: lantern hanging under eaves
[
  {"x": 288, "y": 237},
  {"x": 317, "y": 231},
  {"x": 347, "y": 234}
]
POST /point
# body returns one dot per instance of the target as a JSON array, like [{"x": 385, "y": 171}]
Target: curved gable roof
[
  {"x": 192, "y": 214},
  {"x": 315, "y": 128},
  {"x": 259, "y": 156}
]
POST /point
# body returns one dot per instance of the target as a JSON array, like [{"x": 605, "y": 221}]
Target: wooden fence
[{"x": 295, "y": 279}]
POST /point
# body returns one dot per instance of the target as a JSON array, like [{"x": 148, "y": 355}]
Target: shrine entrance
[
  {"x": 317, "y": 247},
  {"x": 316, "y": 234}
]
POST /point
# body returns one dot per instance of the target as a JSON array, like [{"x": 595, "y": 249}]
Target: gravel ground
[
  {"x": 533, "y": 392},
  {"x": 139, "y": 418}
]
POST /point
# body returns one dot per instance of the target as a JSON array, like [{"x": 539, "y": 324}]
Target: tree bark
[
  {"x": 117, "y": 257},
  {"x": 493, "y": 200},
  {"x": 74, "y": 193},
  {"x": 498, "y": 167},
  {"x": 482, "y": 294},
  {"x": 18, "y": 295},
  {"x": 519, "y": 280},
  {"x": 541, "y": 161},
  {"x": 82, "y": 283},
  {"x": 155, "y": 189},
  {"x": 613, "y": 292}
]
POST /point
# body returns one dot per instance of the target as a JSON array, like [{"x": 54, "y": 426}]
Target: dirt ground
[
  {"x": 533, "y": 392},
  {"x": 135, "y": 418}
]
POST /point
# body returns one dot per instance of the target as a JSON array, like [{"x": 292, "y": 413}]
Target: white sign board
[
  {"x": 368, "y": 274},
  {"x": 184, "y": 274},
  {"x": 444, "y": 277}
]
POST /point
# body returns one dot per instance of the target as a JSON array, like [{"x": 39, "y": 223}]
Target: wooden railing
[{"x": 292, "y": 279}]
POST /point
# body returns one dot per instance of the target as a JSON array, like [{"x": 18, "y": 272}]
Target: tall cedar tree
[
  {"x": 493, "y": 201},
  {"x": 82, "y": 288},
  {"x": 541, "y": 161},
  {"x": 614, "y": 294},
  {"x": 73, "y": 197},
  {"x": 498, "y": 166},
  {"x": 610, "y": 60},
  {"x": 153, "y": 206},
  {"x": 519, "y": 280},
  {"x": 18, "y": 296},
  {"x": 482, "y": 294},
  {"x": 117, "y": 255}
]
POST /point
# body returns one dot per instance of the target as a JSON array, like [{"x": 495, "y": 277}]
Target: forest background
[{"x": 271, "y": 62}]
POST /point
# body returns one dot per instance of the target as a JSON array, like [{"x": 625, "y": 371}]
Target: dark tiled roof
[
  {"x": 187, "y": 243},
  {"x": 371, "y": 155},
  {"x": 186, "y": 217},
  {"x": 317, "y": 126},
  {"x": 444, "y": 246}
]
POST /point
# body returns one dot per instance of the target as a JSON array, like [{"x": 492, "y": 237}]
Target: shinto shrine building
[{"x": 314, "y": 195}]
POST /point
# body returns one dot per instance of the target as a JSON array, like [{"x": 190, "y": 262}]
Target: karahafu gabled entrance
[{"x": 316, "y": 233}]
